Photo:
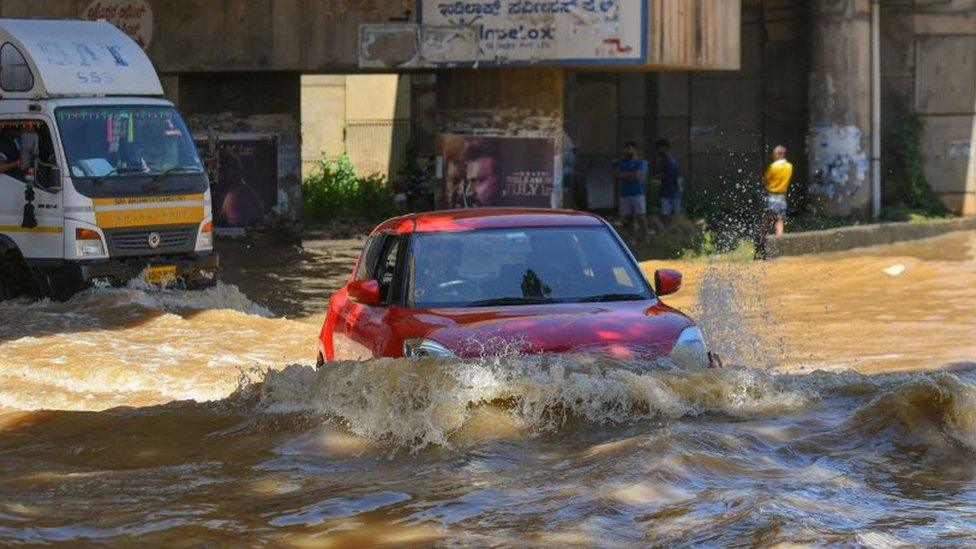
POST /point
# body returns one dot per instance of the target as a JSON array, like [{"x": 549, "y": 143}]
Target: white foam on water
[
  {"x": 415, "y": 403},
  {"x": 138, "y": 345}
]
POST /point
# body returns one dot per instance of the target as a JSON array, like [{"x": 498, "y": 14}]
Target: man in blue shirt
[
  {"x": 630, "y": 172},
  {"x": 666, "y": 169}
]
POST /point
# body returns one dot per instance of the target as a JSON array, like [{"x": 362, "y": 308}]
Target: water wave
[
  {"x": 141, "y": 294},
  {"x": 934, "y": 412},
  {"x": 416, "y": 403}
]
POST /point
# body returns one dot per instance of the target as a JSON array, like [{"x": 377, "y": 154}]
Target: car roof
[{"x": 487, "y": 218}]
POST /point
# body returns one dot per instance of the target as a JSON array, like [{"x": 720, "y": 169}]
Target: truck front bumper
[{"x": 198, "y": 270}]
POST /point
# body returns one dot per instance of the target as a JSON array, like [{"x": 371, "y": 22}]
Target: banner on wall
[
  {"x": 243, "y": 171},
  {"x": 480, "y": 171},
  {"x": 133, "y": 17},
  {"x": 546, "y": 32}
]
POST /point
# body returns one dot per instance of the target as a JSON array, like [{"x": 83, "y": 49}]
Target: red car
[{"x": 493, "y": 281}]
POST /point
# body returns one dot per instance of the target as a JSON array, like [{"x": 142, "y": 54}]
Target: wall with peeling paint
[
  {"x": 838, "y": 162},
  {"x": 501, "y": 102},
  {"x": 245, "y": 35},
  {"x": 929, "y": 66},
  {"x": 324, "y": 35}
]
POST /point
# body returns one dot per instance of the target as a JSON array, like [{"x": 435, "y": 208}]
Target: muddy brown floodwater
[{"x": 847, "y": 416}]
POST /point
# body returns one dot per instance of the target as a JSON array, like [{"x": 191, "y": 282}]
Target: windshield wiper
[
  {"x": 153, "y": 185},
  {"x": 513, "y": 301},
  {"x": 612, "y": 297},
  {"x": 115, "y": 171},
  {"x": 175, "y": 169}
]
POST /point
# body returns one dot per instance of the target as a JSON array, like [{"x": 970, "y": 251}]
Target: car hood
[{"x": 621, "y": 329}]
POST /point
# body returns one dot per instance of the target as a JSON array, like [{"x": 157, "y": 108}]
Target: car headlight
[
  {"x": 690, "y": 349},
  {"x": 419, "y": 346}
]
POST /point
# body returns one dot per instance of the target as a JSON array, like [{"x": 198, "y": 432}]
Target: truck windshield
[
  {"x": 112, "y": 141},
  {"x": 496, "y": 267}
]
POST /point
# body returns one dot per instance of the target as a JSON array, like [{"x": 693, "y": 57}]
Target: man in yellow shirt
[{"x": 777, "y": 179}]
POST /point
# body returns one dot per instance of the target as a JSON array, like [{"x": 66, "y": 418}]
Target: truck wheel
[{"x": 15, "y": 277}]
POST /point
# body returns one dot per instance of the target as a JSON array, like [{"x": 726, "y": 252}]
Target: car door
[
  {"x": 363, "y": 325},
  {"x": 46, "y": 240}
]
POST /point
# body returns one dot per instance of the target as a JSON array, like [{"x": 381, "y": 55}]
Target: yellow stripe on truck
[
  {"x": 138, "y": 211},
  {"x": 19, "y": 229}
]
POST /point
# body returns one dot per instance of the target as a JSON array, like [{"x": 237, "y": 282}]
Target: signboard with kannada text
[
  {"x": 133, "y": 17},
  {"x": 544, "y": 32}
]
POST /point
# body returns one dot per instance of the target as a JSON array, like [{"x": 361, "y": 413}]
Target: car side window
[
  {"x": 25, "y": 144},
  {"x": 367, "y": 261},
  {"x": 386, "y": 267}
]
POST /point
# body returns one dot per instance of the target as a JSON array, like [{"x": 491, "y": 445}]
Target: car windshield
[
  {"x": 521, "y": 267},
  {"x": 104, "y": 142}
]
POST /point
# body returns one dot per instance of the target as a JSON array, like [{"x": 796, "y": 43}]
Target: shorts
[
  {"x": 633, "y": 205},
  {"x": 670, "y": 206},
  {"x": 776, "y": 203}
]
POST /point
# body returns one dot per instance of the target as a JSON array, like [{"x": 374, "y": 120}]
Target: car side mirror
[
  {"x": 366, "y": 292},
  {"x": 666, "y": 281}
]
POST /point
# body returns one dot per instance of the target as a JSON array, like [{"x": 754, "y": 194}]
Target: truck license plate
[{"x": 161, "y": 274}]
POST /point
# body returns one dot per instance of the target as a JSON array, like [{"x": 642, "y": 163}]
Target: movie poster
[
  {"x": 243, "y": 177},
  {"x": 481, "y": 171}
]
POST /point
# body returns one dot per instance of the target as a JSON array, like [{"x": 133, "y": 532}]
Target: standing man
[
  {"x": 629, "y": 172},
  {"x": 666, "y": 169},
  {"x": 777, "y": 179}
]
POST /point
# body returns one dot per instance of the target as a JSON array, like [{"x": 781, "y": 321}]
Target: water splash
[
  {"x": 417, "y": 403},
  {"x": 734, "y": 314}
]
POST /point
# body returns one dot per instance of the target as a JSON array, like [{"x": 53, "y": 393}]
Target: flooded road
[{"x": 848, "y": 416}]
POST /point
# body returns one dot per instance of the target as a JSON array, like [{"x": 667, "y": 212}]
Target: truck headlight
[
  {"x": 205, "y": 237},
  {"x": 419, "y": 346},
  {"x": 690, "y": 349},
  {"x": 88, "y": 243}
]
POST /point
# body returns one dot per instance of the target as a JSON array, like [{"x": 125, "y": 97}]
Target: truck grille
[{"x": 135, "y": 242}]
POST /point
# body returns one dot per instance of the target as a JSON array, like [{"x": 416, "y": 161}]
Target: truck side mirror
[{"x": 48, "y": 175}]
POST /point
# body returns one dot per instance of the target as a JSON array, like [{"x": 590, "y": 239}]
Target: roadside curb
[{"x": 848, "y": 238}]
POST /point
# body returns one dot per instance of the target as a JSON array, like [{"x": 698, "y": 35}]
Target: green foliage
[
  {"x": 902, "y": 212},
  {"x": 710, "y": 243},
  {"x": 336, "y": 193},
  {"x": 907, "y": 175}
]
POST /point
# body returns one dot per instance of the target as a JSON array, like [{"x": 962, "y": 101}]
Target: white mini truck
[{"x": 100, "y": 181}]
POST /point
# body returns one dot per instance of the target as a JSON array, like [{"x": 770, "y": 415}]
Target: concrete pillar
[
  {"x": 323, "y": 119},
  {"x": 509, "y": 102},
  {"x": 838, "y": 138}
]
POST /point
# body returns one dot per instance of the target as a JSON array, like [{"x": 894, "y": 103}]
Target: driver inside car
[{"x": 437, "y": 277}]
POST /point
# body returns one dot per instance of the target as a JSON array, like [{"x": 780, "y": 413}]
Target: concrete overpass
[{"x": 722, "y": 79}]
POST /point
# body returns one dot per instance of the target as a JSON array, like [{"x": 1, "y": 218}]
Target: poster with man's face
[{"x": 497, "y": 171}]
